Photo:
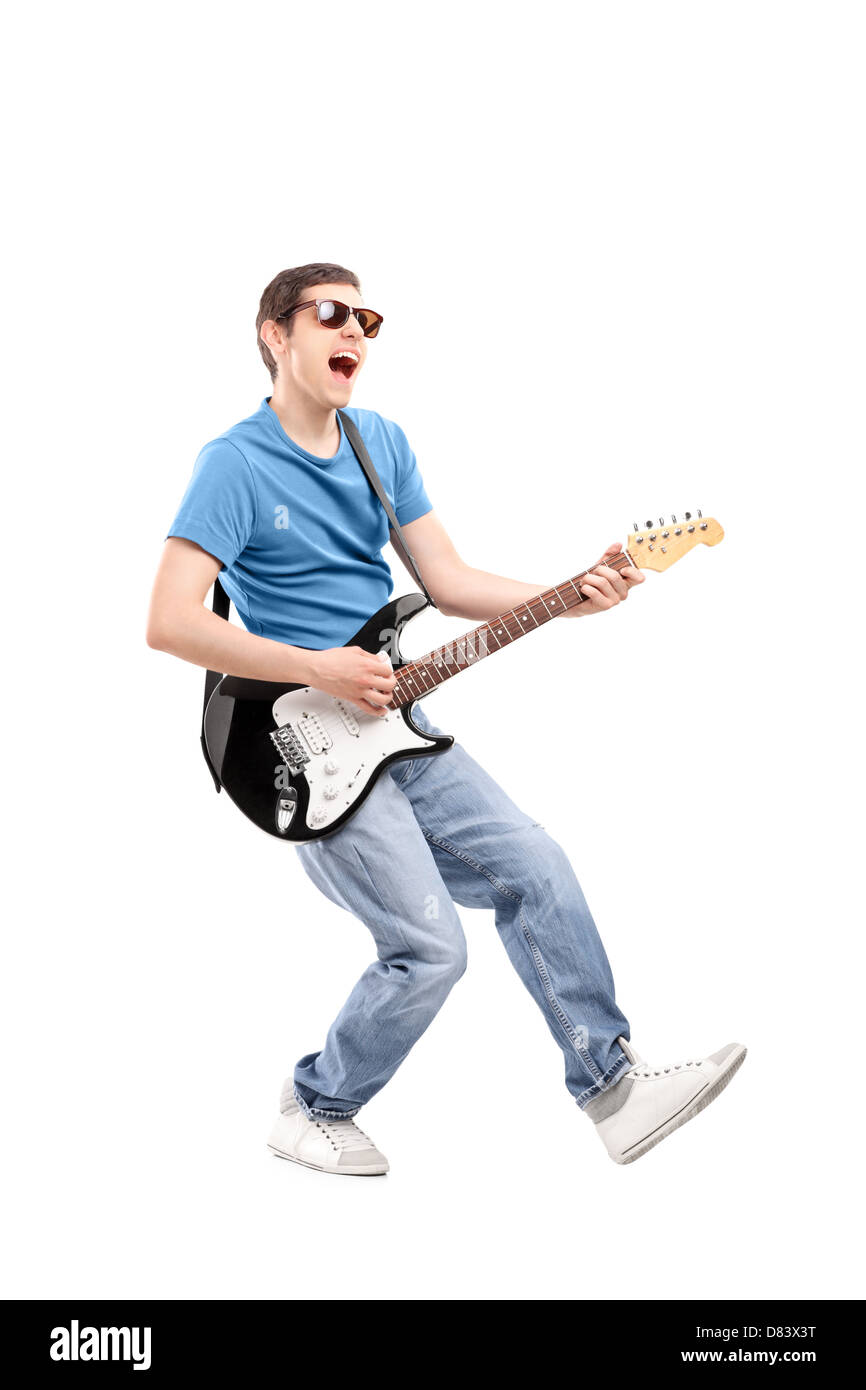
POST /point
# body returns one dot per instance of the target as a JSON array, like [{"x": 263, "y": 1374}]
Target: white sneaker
[
  {"x": 333, "y": 1146},
  {"x": 648, "y": 1103}
]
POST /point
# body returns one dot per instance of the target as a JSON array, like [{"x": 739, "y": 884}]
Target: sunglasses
[{"x": 332, "y": 314}]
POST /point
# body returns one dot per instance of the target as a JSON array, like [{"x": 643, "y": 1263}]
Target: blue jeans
[{"x": 433, "y": 832}]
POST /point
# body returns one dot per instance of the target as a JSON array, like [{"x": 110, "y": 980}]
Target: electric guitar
[{"x": 299, "y": 762}]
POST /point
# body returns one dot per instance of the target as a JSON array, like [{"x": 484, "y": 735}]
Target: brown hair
[{"x": 286, "y": 289}]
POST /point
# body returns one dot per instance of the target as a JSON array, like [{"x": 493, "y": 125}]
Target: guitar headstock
[{"x": 659, "y": 547}]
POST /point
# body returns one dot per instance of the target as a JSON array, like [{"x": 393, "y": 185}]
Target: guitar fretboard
[{"x": 419, "y": 677}]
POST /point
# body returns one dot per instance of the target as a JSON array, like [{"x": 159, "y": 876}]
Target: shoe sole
[
  {"x": 342, "y": 1172},
  {"x": 693, "y": 1108}
]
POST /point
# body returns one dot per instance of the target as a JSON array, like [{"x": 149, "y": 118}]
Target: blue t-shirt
[{"x": 300, "y": 537}]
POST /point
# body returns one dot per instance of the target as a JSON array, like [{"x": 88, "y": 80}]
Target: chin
[{"x": 343, "y": 385}]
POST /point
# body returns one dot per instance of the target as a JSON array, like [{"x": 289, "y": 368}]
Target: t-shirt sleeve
[
  {"x": 218, "y": 509},
  {"x": 410, "y": 496}
]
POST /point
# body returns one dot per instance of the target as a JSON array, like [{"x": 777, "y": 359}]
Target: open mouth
[{"x": 343, "y": 364}]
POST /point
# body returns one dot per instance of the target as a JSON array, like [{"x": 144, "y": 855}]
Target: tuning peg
[
  {"x": 635, "y": 525},
  {"x": 673, "y": 519},
  {"x": 661, "y": 521},
  {"x": 649, "y": 526},
  {"x": 700, "y": 513},
  {"x": 688, "y": 516}
]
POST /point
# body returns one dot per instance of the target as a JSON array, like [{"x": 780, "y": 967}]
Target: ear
[{"x": 273, "y": 334}]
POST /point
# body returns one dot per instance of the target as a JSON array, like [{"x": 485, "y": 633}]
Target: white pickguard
[{"x": 344, "y": 746}]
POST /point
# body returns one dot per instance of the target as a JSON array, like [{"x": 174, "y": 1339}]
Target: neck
[
  {"x": 419, "y": 677},
  {"x": 309, "y": 422}
]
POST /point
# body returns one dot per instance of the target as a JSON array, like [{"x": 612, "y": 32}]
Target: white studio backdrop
[{"x": 619, "y": 251}]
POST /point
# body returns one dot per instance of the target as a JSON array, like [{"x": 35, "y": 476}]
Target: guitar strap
[
  {"x": 221, "y": 601},
  {"x": 375, "y": 482},
  {"x": 221, "y": 604}
]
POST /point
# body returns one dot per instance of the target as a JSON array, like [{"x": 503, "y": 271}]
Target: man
[{"x": 279, "y": 508}]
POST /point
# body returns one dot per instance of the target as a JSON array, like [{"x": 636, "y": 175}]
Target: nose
[{"x": 353, "y": 326}]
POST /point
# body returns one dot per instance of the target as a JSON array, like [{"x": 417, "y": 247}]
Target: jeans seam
[
  {"x": 537, "y": 957},
  {"x": 621, "y": 1064}
]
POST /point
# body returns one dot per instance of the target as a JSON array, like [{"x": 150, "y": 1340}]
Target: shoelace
[
  {"x": 345, "y": 1134},
  {"x": 641, "y": 1067}
]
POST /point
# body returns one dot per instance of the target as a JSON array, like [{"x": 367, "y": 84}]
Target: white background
[{"x": 619, "y": 251}]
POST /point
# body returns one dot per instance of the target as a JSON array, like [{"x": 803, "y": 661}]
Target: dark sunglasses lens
[
  {"x": 332, "y": 314},
  {"x": 369, "y": 322}
]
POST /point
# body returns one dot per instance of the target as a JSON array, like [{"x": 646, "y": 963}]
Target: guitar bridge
[{"x": 289, "y": 747}]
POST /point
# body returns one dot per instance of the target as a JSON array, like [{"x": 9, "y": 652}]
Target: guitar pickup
[
  {"x": 315, "y": 733},
  {"x": 348, "y": 718}
]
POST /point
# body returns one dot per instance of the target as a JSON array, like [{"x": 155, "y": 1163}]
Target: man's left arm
[{"x": 461, "y": 591}]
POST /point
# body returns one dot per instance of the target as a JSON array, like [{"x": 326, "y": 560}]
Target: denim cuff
[
  {"x": 312, "y": 1112},
  {"x": 610, "y": 1077}
]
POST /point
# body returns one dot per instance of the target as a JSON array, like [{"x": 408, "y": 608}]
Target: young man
[{"x": 279, "y": 508}]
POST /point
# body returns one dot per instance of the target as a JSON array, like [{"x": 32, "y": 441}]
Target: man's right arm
[{"x": 180, "y": 623}]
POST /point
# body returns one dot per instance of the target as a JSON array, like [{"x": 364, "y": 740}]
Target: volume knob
[
  {"x": 329, "y": 791},
  {"x": 330, "y": 766},
  {"x": 317, "y": 817}
]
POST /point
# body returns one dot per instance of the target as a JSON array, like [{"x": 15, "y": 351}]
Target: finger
[
  {"x": 360, "y": 703},
  {"x": 377, "y": 671},
  {"x": 596, "y": 598},
  {"x": 602, "y": 587},
  {"x": 378, "y": 682},
  {"x": 369, "y": 708},
  {"x": 377, "y": 697},
  {"x": 616, "y": 580}
]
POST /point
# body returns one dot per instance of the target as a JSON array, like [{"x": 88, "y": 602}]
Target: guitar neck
[{"x": 419, "y": 677}]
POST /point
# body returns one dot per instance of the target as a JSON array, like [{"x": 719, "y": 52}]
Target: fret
[
  {"x": 433, "y": 668},
  {"x": 398, "y": 694},
  {"x": 409, "y": 680},
  {"x": 445, "y": 661},
  {"x": 427, "y": 676},
  {"x": 559, "y": 596}
]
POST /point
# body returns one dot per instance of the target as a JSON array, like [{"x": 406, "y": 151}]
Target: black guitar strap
[
  {"x": 375, "y": 482},
  {"x": 221, "y": 604},
  {"x": 221, "y": 601}
]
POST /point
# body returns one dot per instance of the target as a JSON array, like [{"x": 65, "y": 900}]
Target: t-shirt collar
[{"x": 285, "y": 439}]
